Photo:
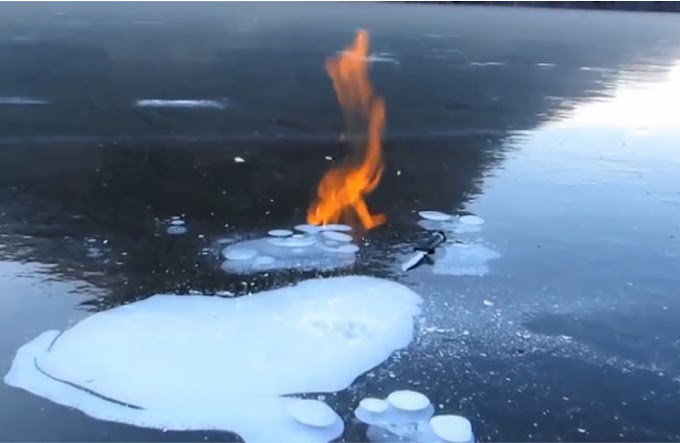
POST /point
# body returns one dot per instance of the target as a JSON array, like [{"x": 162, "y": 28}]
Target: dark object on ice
[
  {"x": 424, "y": 251},
  {"x": 432, "y": 243}
]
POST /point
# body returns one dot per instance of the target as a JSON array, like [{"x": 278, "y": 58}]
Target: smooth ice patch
[
  {"x": 471, "y": 220},
  {"x": 192, "y": 103},
  {"x": 464, "y": 259},
  {"x": 22, "y": 101},
  {"x": 197, "y": 362}
]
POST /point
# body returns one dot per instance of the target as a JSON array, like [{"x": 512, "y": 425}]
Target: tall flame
[{"x": 340, "y": 194}]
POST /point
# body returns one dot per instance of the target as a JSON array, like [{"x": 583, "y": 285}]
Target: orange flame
[{"x": 340, "y": 194}]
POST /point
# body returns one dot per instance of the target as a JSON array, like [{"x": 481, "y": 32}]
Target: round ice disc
[
  {"x": 280, "y": 233},
  {"x": 312, "y": 413},
  {"x": 294, "y": 241},
  {"x": 336, "y": 227},
  {"x": 452, "y": 428},
  {"x": 309, "y": 229},
  {"x": 337, "y": 236},
  {"x": 239, "y": 253},
  {"x": 348, "y": 249},
  {"x": 434, "y": 215},
  {"x": 471, "y": 220},
  {"x": 176, "y": 230},
  {"x": 408, "y": 400},
  {"x": 264, "y": 260},
  {"x": 177, "y": 222},
  {"x": 374, "y": 405}
]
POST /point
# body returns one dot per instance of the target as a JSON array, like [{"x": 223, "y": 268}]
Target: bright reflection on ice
[{"x": 634, "y": 105}]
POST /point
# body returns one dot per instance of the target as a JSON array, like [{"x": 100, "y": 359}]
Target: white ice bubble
[
  {"x": 434, "y": 215},
  {"x": 336, "y": 227},
  {"x": 409, "y": 401},
  {"x": 280, "y": 233},
  {"x": 374, "y": 405},
  {"x": 312, "y": 413},
  {"x": 294, "y": 241},
  {"x": 452, "y": 428},
  {"x": 235, "y": 253},
  {"x": 176, "y": 230},
  {"x": 181, "y": 103},
  {"x": 177, "y": 222},
  {"x": 471, "y": 220},
  {"x": 348, "y": 249},
  {"x": 264, "y": 261},
  {"x": 309, "y": 229},
  {"x": 169, "y": 360},
  {"x": 337, "y": 236}
]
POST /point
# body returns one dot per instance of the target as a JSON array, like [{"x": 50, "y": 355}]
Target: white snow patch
[
  {"x": 197, "y": 362},
  {"x": 181, "y": 103}
]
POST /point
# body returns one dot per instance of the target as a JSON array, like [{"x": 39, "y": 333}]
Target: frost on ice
[
  {"x": 310, "y": 247},
  {"x": 197, "y": 362}
]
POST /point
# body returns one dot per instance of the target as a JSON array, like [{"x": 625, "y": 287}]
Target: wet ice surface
[
  {"x": 311, "y": 248},
  {"x": 167, "y": 362}
]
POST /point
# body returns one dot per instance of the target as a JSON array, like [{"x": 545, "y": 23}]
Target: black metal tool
[{"x": 423, "y": 250}]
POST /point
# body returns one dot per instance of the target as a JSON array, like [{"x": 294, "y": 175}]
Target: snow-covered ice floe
[
  {"x": 408, "y": 416},
  {"x": 196, "y": 362},
  {"x": 309, "y": 248},
  {"x": 182, "y": 103}
]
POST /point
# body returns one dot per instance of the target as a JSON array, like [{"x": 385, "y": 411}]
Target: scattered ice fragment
[
  {"x": 176, "y": 230},
  {"x": 280, "y": 233},
  {"x": 336, "y": 227},
  {"x": 309, "y": 229},
  {"x": 175, "y": 217},
  {"x": 399, "y": 172},
  {"x": 434, "y": 215},
  {"x": 290, "y": 341},
  {"x": 487, "y": 63},
  {"x": 312, "y": 413},
  {"x": 328, "y": 157},
  {"x": 471, "y": 220},
  {"x": 488, "y": 303},
  {"x": 581, "y": 430},
  {"x": 452, "y": 428},
  {"x": 374, "y": 405},
  {"x": 408, "y": 400},
  {"x": 337, "y": 236},
  {"x": 239, "y": 160},
  {"x": 238, "y": 253}
]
